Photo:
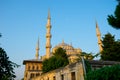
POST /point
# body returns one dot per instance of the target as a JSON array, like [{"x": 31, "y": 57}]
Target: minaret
[
  {"x": 99, "y": 37},
  {"x": 48, "y": 36},
  {"x": 37, "y": 50}
]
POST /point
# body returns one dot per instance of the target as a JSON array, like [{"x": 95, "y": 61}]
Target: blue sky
[{"x": 23, "y": 21}]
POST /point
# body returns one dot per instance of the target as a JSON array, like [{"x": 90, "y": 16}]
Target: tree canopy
[
  {"x": 114, "y": 20},
  {"x": 111, "y": 48},
  {"x": 6, "y": 66},
  {"x": 59, "y": 59}
]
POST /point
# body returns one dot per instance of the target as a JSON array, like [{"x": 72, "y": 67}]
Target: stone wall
[{"x": 70, "y": 72}]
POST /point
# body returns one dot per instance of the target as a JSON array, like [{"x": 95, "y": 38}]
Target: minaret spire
[
  {"x": 99, "y": 37},
  {"x": 48, "y": 35},
  {"x": 49, "y": 14},
  {"x": 37, "y": 50}
]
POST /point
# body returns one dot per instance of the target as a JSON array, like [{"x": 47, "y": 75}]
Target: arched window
[
  {"x": 37, "y": 74},
  {"x": 54, "y": 78},
  {"x": 32, "y": 75},
  {"x": 33, "y": 68},
  {"x": 36, "y": 67},
  {"x": 28, "y": 67},
  {"x": 26, "y": 74}
]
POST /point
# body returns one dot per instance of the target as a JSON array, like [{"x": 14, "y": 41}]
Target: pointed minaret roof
[
  {"x": 49, "y": 14},
  {"x": 97, "y": 29},
  {"x": 37, "y": 47},
  {"x": 96, "y": 24},
  {"x": 99, "y": 37},
  {"x": 48, "y": 20},
  {"x": 37, "y": 50}
]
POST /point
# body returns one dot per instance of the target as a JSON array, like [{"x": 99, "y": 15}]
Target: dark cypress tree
[{"x": 111, "y": 48}]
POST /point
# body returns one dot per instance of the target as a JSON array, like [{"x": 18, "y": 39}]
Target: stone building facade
[
  {"x": 73, "y": 71},
  {"x": 33, "y": 68}
]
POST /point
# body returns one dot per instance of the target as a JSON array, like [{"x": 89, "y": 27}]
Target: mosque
[{"x": 73, "y": 71}]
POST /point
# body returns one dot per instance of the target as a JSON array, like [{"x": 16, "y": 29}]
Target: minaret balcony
[
  {"x": 98, "y": 34},
  {"x": 48, "y": 36},
  {"x": 48, "y": 26},
  {"x": 48, "y": 46}
]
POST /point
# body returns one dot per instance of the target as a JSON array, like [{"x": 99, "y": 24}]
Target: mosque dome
[
  {"x": 69, "y": 48},
  {"x": 71, "y": 52}
]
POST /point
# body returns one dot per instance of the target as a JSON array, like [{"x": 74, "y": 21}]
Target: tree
[
  {"x": 22, "y": 79},
  {"x": 60, "y": 52},
  {"x": 87, "y": 56},
  {"x": 111, "y": 48},
  {"x": 114, "y": 20},
  {"x": 6, "y": 66},
  {"x": 59, "y": 59},
  {"x": 61, "y": 56}
]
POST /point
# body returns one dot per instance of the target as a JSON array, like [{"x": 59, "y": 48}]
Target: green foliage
[
  {"x": 58, "y": 60},
  {"x": 22, "y": 79},
  {"x": 114, "y": 21},
  {"x": 111, "y": 48},
  {"x": 60, "y": 53},
  {"x": 87, "y": 66},
  {"x": 105, "y": 73},
  {"x": 6, "y": 67},
  {"x": 87, "y": 56}
]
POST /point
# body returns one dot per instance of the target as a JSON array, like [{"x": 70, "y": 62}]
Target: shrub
[
  {"x": 58, "y": 60},
  {"x": 105, "y": 73}
]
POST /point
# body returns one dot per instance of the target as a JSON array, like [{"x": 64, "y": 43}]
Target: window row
[
  {"x": 73, "y": 77},
  {"x": 32, "y": 75},
  {"x": 33, "y": 68}
]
